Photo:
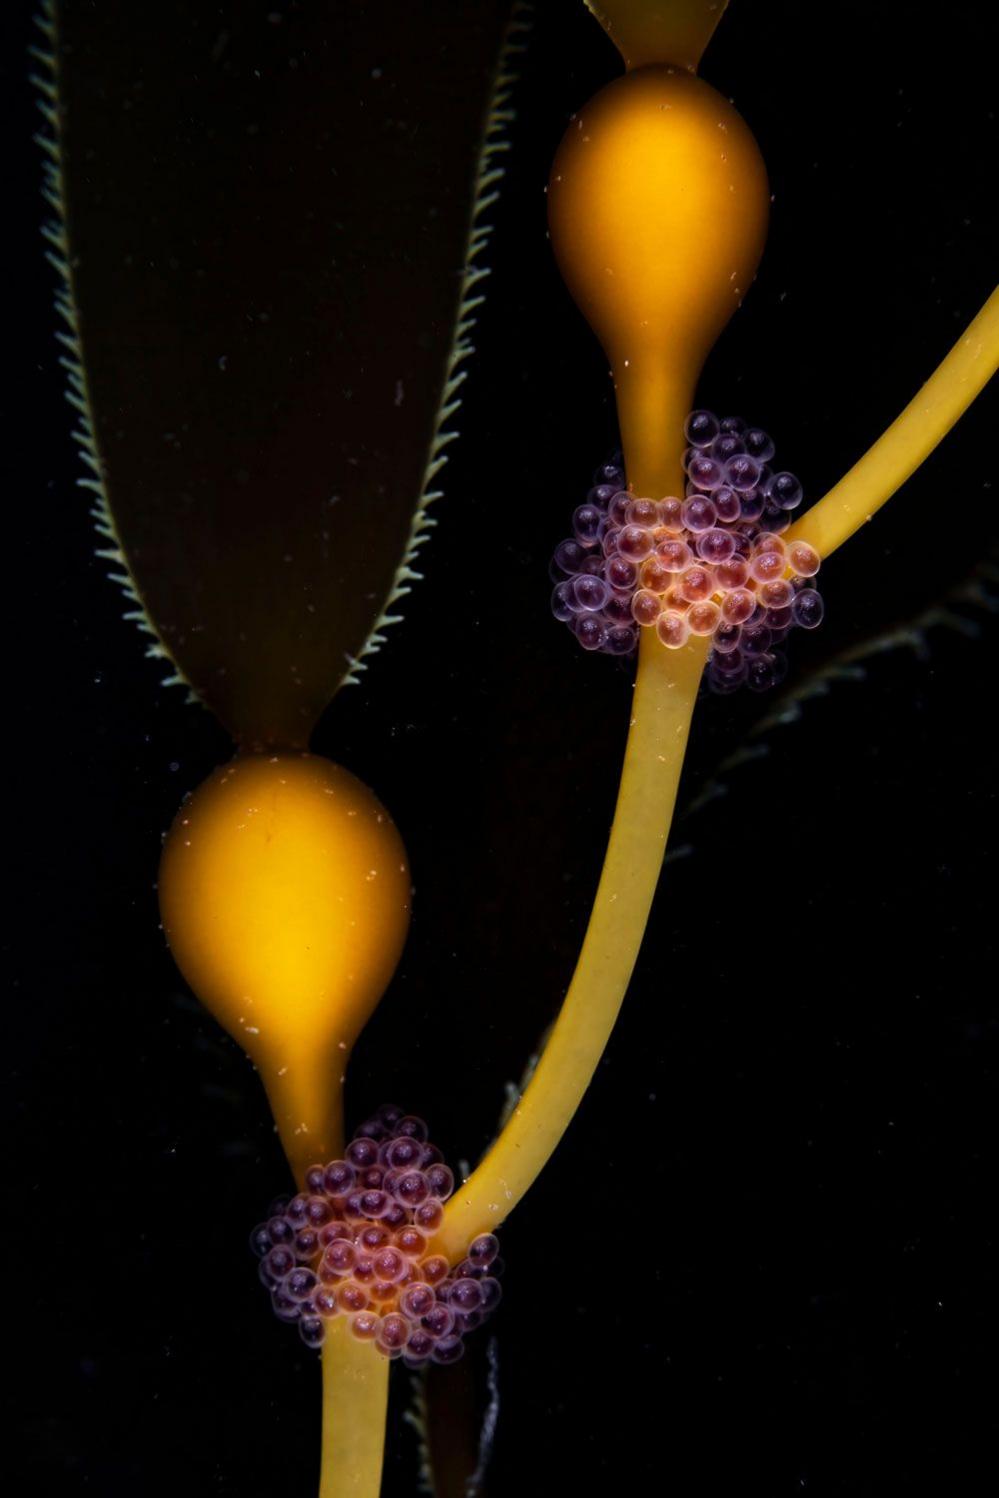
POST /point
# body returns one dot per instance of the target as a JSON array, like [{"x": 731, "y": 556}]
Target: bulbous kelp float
[{"x": 284, "y": 885}]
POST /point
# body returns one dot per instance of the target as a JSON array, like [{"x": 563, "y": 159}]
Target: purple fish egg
[
  {"x": 785, "y": 491},
  {"x": 617, "y": 510},
  {"x": 728, "y": 505},
  {"x": 492, "y": 1292},
  {"x": 589, "y": 593},
  {"x": 412, "y": 1188},
  {"x": 620, "y": 573},
  {"x": 611, "y": 474},
  {"x": 724, "y": 686},
  {"x": 756, "y": 640},
  {"x": 609, "y": 544},
  {"x": 420, "y": 1344},
  {"x": 725, "y": 446},
  {"x": 339, "y": 1177},
  {"x": 280, "y": 1261},
  {"x": 761, "y": 675},
  {"x": 715, "y": 545},
  {"x": 300, "y": 1284},
  {"x": 759, "y": 444},
  {"x": 601, "y": 495},
  {"x": 297, "y": 1210},
  {"x": 362, "y": 1152},
  {"x": 307, "y": 1243},
  {"x": 324, "y": 1301},
  {"x": 484, "y": 1248},
  {"x": 393, "y": 1334},
  {"x": 312, "y": 1331},
  {"x": 284, "y": 1307},
  {"x": 635, "y": 542},
  {"x": 261, "y": 1242},
  {"x": 726, "y": 638},
  {"x": 590, "y": 633},
  {"x": 732, "y": 424},
  {"x": 742, "y": 473},
  {"x": 281, "y": 1230},
  {"x": 727, "y": 663},
  {"x": 808, "y": 609},
  {"x": 417, "y": 1301},
  {"x": 621, "y": 639},
  {"x": 403, "y": 1153},
  {"x": 340, "y": 1257},
  {"x": 318, "y": 1212},
  {"x": 699, "y": 514},
  {"x": 642, "y": 512},
  {"x": 700, "y": 428},
  {"x": 569, "y": 557},
  {"x": 563, "y": 602},
  {"x": 440, "y": 1178},
  {"x": 617, "y": 609},
  {"x": 587, "y": 524},
  {"x": 704, "y": 472},
  {"x": 465, "y": 1296},
  {"x": 449, "y": 1349},
  {"x": 439, "y": 1320}
]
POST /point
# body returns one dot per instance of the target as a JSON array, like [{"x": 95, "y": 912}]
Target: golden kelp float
[{"x": 284, "y": 889}]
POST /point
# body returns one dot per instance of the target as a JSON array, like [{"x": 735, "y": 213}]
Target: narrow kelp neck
[{"x": 646, "y": 31}]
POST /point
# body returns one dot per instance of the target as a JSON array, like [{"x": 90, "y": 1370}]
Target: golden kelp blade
[{"x": 269, "y": 268}]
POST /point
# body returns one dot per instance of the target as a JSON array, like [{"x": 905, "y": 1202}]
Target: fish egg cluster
[
  {"x": 357, "y": 1244},
  {"x": 712, "y": 563}
]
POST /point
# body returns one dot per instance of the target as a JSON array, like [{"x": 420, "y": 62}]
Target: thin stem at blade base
[
  {"x": 355, "y": 1400},
  {"x": 665, "y": 692},
  {"x": 927, "y": 418}
]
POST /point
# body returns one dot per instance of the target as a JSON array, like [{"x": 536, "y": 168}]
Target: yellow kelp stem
[
  {"x": 912, "y": 437},
  {"x": 646, "y": 31},
  {"x": 355, "y": 1399},
  {"x": 664, "y": 699}
]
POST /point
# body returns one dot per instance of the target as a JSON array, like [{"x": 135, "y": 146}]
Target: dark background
[{"x": 763, "y": 1259}]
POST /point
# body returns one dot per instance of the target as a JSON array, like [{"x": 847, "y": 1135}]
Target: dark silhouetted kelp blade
[{"x": 268, "y": 235}]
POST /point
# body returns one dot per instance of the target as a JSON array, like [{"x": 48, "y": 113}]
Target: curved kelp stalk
[{"x": 264, "y": 353}]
